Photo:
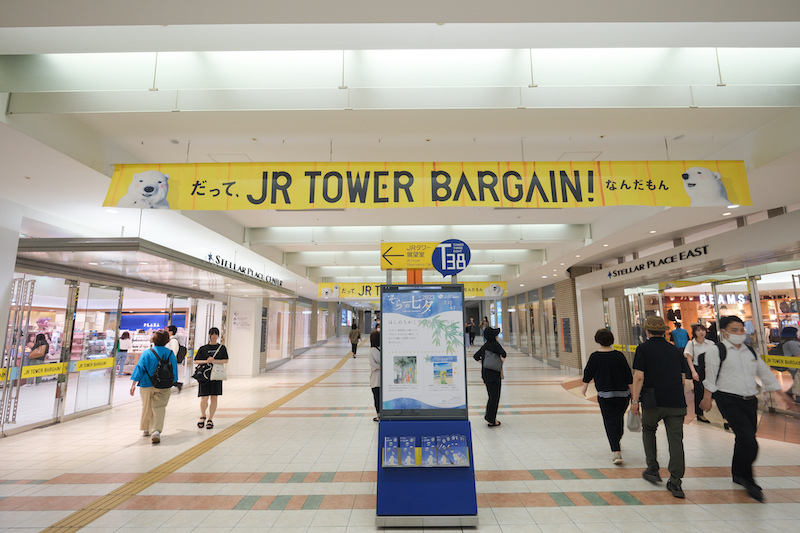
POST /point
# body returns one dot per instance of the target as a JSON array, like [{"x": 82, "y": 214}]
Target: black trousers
[
  {"x": 699, "y": 390},
  {"x": 471, "y": 338},
  {"x": 493, "y": 388},
  {"x": 741, "y": 416},
  {"x": 376, "y": 397},
  {"x": 613, "y": 411},
  {"x": 355, "y": 347}
]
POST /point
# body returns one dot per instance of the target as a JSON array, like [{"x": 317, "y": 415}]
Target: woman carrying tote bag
[
  {"x": 491, "y": 355},
  {"x": 208, "y": 355}
]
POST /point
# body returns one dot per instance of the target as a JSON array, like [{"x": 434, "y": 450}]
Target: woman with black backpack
[{"x": 152, "y": 375}]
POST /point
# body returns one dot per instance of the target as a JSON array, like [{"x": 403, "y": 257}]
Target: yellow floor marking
[{"x": 83, "y": 517}]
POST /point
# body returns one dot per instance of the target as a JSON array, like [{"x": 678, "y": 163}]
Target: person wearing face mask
[{"x": 731, "y": 369}]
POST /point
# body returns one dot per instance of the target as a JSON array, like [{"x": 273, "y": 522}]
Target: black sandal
[
  {"x": 201, "y": 424},
  {"x": 209, "y": 425},
  {"x": 496, "y": 423}
]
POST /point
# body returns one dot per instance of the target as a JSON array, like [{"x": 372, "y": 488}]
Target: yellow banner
[
  {"x": 350, "y": 291},
  {"x": 52, "y": 369},
  {"x": 94, "y": 364},
  {"x": 291, "y": 186},
  {"x": 625, "y": 347},
  {"x": 407, "y": 255},
  {"x": 786, "y": 362}
]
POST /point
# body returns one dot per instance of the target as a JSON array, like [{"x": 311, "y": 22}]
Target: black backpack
[
  {"x": 181, "y": 355},
  {"x": 162, "y": 378},
  {"x": 778, "y": 350}
]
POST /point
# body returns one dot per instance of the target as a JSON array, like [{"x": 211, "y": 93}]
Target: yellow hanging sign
[
  {"x": 407, "y": 255},
  {"x": 351, "y": 291},
  {"x": 362, "y": 185}
]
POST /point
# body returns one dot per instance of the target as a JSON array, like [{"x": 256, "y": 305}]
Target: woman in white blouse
[{"x": 695, "y": 353}]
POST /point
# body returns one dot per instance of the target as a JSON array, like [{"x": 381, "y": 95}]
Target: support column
[{"x": 414, "y": 276}]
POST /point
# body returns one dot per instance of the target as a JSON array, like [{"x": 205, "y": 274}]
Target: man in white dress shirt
[{"x": 731, "y": 380}]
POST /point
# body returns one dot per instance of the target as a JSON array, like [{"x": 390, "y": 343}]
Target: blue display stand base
[{"x": 438, "y": 496}]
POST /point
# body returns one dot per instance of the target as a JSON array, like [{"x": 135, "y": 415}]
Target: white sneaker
[
  {"x": 617, "y": 458},
  {"x": 156, "y": 437},
  {"x": 145, "y": 433}
]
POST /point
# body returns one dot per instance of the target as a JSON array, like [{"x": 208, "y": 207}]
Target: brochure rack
[{"x": 426, "y": 496}]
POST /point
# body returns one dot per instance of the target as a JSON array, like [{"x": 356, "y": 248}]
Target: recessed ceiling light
[
  {"x": 143, "y": 263},
  {"x": 562, "y": 264},
  {"x": 555, "y": 270},
  {"x": 544, "y": 276},
  {"x": 577, "y": 256},
  {"x": 652, "y": 231},
  {"x": 605, "y": 246},
  {"x": 726, "y": 214},
  {"x": 92, "y": 263},
  {"x": 733, "y": 206},
  {"x": 521, "y": 284}
]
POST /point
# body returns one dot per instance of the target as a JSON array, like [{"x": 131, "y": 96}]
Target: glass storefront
[
  {"x": 302, "y": 326},
  {"x": 280, "y": 324},
  {"x": 766, "y": 302},
  {"x": 81, "y": 323},
  {"x": 523, "y": 326}
]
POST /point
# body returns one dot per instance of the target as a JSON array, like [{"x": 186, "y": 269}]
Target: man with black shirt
[
  {"x": 659, "y": 372},
  {"x": 731, "y": 380}
]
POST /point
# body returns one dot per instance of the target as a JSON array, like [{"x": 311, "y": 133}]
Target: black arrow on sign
[{"x": 386, "y": 258}]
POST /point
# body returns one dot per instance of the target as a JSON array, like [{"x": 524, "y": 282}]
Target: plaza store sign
[
  {"x": 673, "y": 259},
  {"x": 246, "y": 271},
  {"x": 370, "y": 185}
]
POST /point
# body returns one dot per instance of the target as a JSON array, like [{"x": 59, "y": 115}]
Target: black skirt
[{"x": 209, "y": 388}]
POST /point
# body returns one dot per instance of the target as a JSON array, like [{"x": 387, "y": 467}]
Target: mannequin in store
[{"x": 209, "y": 391}]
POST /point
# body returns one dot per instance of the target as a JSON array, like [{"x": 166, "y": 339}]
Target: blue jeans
[{"x": 119, "y": 364}]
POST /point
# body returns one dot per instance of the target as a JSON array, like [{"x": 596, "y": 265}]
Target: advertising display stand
[{"x": 426, "y": 475}]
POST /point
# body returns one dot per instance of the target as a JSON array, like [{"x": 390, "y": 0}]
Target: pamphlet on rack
[
  {"x": 408, "y": 451},
  {"x": 390, "y": 452},
  {"x": 429, "y": 457}
]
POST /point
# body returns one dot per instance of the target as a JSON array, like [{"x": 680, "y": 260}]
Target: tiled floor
[{"x": 309, "y": 464}]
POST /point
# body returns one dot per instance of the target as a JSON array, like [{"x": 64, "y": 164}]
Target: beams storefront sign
[
  {"x": 230, "y": 265},
  {"x": 672, "y": 259},
  {"x": 302, "y": 186}
]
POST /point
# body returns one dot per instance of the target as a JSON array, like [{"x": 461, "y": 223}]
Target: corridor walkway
[{"x": 288, "y": 457}]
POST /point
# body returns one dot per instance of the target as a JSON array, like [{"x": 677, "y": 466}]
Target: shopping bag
[
  {"x": 218, "y": 373},
  {"x": 634, "y": 422}
]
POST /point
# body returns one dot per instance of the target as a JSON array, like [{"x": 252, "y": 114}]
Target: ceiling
[{"x": 376, "y": 81}]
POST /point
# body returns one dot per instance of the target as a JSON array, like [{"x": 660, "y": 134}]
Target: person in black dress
[
  {"x": 492, "y": 378},
  {"x": 213, "y": 352},
  {"x": 612, "y": 378}
]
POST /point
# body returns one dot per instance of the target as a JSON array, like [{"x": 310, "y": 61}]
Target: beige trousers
[{"x": 154, "y": 408}]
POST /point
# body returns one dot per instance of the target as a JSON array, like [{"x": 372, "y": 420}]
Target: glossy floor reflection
[{"x": 310, "y": 463}]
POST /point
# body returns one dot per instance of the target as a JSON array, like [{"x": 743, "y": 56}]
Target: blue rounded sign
[{"x": 451, "y": 257}]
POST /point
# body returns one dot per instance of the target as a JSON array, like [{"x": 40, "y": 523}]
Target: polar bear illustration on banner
[
  {"x": 148, "y": 190},
  {"x": 704, "y": 187}
]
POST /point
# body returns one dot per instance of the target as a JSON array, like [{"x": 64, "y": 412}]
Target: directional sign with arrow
[{"x": 407, "y": 255}]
